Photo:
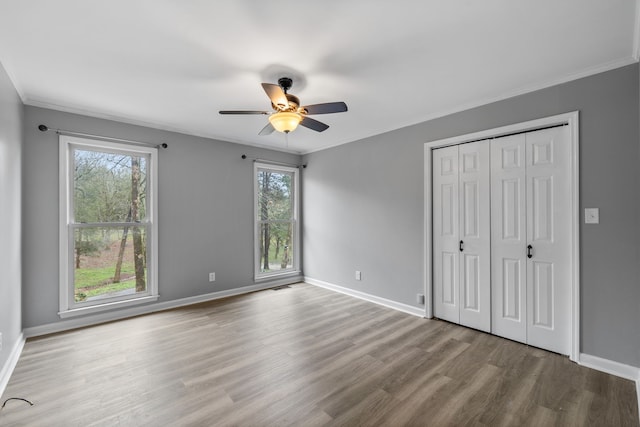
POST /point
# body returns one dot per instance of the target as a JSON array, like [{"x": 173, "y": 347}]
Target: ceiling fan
[{"x": 287, "y": 113}]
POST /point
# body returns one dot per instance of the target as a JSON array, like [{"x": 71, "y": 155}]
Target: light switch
[{"x": 591, "y": 215}]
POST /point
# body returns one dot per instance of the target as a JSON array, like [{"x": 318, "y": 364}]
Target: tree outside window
[
  {"x": 276, "y": 216},
  {"x": 108, "y": 223}
]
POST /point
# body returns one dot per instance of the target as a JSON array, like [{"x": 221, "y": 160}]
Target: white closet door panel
[
  {"x": 508, "y": 237},
  {"x": 470, "y": 267},
  {"x": 512, "y": 289},
  {"x": 548, "y": 233},
  {"x": 449, "y": 281},
  {"x": 445, "y": 234},
  {"x": 543, "y": 294},
  {"x": 474, "y": 227}
]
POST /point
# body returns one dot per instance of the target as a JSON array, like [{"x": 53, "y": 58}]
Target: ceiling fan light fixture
[{"x": 285, "y": 121}]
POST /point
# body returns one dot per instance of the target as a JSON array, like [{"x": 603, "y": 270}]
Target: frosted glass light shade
[{"x": 285, "y": 121}]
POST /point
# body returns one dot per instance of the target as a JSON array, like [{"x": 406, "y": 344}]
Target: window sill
[
  {"x": 276, "y": 276},
  {"x": 107, "y": 306}
]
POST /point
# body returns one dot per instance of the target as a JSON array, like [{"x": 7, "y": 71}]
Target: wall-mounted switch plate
[{"x": 592, "y": 215}]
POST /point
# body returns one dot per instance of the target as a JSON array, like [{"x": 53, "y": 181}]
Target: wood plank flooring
[{"x": 302, "y": 356}]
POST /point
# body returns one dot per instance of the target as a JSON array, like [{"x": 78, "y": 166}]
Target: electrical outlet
[
  {"x": 358, "y": 275},
  {"x": 212, "y": 277},
  {"x": 0, "y": 341},
  {"x": 420, "y": 299},
  {"x": 591, "y": 215}
]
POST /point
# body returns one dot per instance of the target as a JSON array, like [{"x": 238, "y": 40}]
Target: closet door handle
[
  {"x": 529, "y": 249},
  {"x": 461, "y": 246}
]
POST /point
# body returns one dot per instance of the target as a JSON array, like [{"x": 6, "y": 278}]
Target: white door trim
[{"x": 570, "y": 119}]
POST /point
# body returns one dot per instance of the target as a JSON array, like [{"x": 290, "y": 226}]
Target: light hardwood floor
[{"x": 302, "y": 356}]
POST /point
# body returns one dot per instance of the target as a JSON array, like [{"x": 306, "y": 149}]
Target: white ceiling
[{"x": 173, "y": 64}]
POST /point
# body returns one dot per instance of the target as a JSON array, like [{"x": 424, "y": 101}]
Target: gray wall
[
  {"x": 205, "y": 205},
  {"x": 363, "y": 204},
  {"x": 11, "y": 117}
]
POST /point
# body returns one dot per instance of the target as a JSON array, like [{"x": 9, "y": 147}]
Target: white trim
[
  {"x": 90, "y": 320},
  {"x": 589, "y": 71},
  {"x": 609, "y": 366},
  {"x": 63, "y": 240},
  {"x": 280, "y": 276},
  {"x": 608, "y": 66},
  {"x": 295, "y": 268},
  {"x": 638, "y": 391},
  {"x": 151, "y": 125},
  {"x": 428, "y": 247},
  {"x": 6, "y": 65},
  {"x": 10, "y": 364},
  {"x": 614, "y": 368},
  {"x": 405, "y": 308},
  {"x": 570, "y": 119},
  {"x": 636, "y": 33},
  {"x": 574, "y": 136},
  {"x": 92, "y": 309},
  {"x": 67, "y": 307}
]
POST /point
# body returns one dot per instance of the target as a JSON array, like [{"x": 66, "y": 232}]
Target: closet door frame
[{"x": 570, "y": 119}]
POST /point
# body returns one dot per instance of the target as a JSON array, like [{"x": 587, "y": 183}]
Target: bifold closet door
[
  {"x": 461, "y": 188},
  {"x": 446, "y": 276},
  {"x": 530, "y": 220},
  {"x": 475, "y": 235},
  {"x": 509, "y": 237},
  {"x": 549, "y": 236}
]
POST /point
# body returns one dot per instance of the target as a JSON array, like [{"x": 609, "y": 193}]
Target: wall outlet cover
[{"x": 591, "y": 215}]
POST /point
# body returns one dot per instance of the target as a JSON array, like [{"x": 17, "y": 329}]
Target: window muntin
[
  {"x": 276, "y": 215},
  {"x": 107, "y": 228}
]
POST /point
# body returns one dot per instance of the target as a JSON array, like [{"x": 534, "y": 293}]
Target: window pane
[
  {"x": 109, "y": 262},
  {"x": 109, "y": 187},
  {"x": 276, "y": 240},
  {"x": 275, "y": 195}
]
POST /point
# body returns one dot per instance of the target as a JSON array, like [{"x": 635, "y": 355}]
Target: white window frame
[
  {"x": 68, "y": 306},
  {"x": 295, "y": 268}
]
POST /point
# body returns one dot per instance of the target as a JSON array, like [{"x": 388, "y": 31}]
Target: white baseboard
[
  {"x": 609, "y": 366},
  {"x": 638, "y": 391},
  {"x": 11, "y": 363},
  {"x": 614, "y": 368},
  {"x": 416, "y": 311},
  {"x": 89, "y": 320},
  {"x": 604, "y": 365}
]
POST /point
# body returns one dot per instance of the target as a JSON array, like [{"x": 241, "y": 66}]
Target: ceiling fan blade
[
  {"x": 243, "y": 112},
  {"x": 326, "y": 108},
  {"x": 267, "y": 130},
  {"x": 276, "y": 95},
  {"x": 314, "y": 124}
]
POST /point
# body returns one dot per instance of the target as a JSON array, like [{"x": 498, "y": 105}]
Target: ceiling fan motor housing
[
  {"x": 285, "y": 83},
  {"x": 294, "y": 102}
]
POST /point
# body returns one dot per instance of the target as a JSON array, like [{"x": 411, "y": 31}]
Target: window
[
  {"x": 276, "y": 214},
  {"x": 108, "y": 230}
]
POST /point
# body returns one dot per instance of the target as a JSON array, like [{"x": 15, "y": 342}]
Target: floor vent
[{"x": 277, "y": 288}]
